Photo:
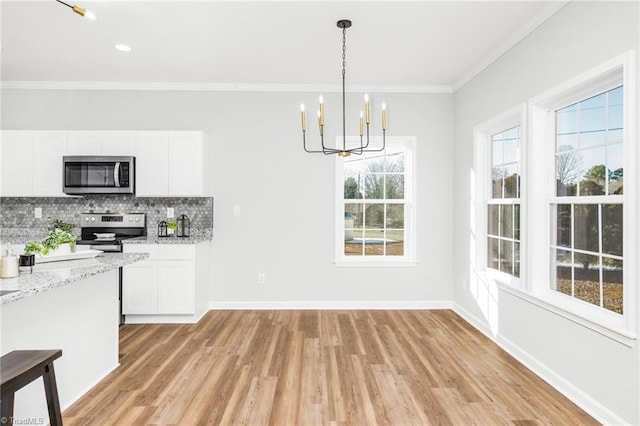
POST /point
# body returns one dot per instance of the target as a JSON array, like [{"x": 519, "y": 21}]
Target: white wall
[
  {"x": 599, "y": 373},
  {"x": 285, "y": 229}
]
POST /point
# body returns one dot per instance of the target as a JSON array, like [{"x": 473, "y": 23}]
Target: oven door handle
[
  {"x": 108, "y": 249},
  {"x": 116, "y": 175}
]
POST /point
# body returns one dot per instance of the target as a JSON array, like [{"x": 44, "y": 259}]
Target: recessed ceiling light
[{"x": 123, "y": 48}]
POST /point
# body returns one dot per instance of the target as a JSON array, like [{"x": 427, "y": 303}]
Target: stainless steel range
[{"x": 106, "y": 231}]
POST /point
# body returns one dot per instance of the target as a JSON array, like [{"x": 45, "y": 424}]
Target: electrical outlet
[
  {"x": 261, "y": 278},
  {"x": 37, "y": 212},
  {"x": 236, "y": 210},
  {"x": 170, "y": 212}
]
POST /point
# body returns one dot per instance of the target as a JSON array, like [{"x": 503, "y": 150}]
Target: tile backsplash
[{"x": 18, "y": 212}]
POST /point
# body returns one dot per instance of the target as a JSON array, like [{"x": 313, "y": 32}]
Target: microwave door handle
[{"x": 116, "y": 175}]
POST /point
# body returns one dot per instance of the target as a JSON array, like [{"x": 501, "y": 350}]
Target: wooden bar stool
[{"x": 18, "y": 369}]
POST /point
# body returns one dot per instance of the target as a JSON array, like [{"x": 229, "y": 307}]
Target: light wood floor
[{"x": 319, "y": 367}]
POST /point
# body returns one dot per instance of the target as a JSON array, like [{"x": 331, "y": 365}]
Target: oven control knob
[
  {"x": 86, "y": 219},
  {"x": 93, "y": 218},
  {"x": 137, "y": 219},
  {"x": 130, "y": 219}
]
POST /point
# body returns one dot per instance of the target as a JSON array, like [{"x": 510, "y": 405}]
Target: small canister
[{"x": 9, "y": 265}]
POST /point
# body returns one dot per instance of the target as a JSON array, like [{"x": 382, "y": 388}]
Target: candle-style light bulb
[
  {"x": 303, "y": 117},
  {"x": 367, "y": 110},
  {"x": 361, "y": 123},
  {"x": 87, "y": 14},
  {"x": 384, "y": 116},
  {"x": 321, "y": 110},
  {"x": 319, "y": 123}
]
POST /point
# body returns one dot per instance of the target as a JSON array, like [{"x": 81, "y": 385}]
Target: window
[
  {"x": 586, "y": 247},
  {"x": 496, "y": 230},
  {"x": 375, "y": 205},
  {"x": 583, "y": 205},
  {"x": 555, "y": 200},
  {"x": 503, "y": 210}
]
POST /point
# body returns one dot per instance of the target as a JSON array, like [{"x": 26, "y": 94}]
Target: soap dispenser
[{"x": 9, "y": 265}]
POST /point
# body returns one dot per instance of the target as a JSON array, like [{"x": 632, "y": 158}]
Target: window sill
[
  {"x": 625, "y": 337},
  {"x": 374, "y": 263}
]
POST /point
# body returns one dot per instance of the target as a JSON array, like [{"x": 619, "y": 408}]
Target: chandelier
[
  {"x": 365, "y": 116},
  {"x": 81, "y": 11}
]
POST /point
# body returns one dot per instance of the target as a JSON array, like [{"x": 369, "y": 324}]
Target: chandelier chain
[
  {"x": 344, "y": 51},
  {"x": 344, "y": 101}
]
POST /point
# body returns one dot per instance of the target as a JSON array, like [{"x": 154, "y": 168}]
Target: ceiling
[{"x": 414, "y": 46}]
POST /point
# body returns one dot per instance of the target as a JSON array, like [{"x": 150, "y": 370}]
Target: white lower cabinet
[
  {"x": 175, "y": 287},
  {"x": 163, "y": 287},
  {"x": 140, "y": 288}
]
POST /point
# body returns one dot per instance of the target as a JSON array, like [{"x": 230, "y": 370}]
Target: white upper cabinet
[
  {"x": 117, "y": 143},
  {"x": 84, "y": 143},
  {"x": 152, "y": 163},
  {"x": 167, "y": 163},
  {"x": 100, "y": 143},
  {"x": 17, "y": 163},
  {"x": 186, "y": 163},
  {"x": 48, "y": 150}
]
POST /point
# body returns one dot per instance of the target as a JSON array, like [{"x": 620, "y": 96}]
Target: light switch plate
[
  {"x": 170, "y": 212},
  {"x": 37, "y": 212},
  {"x": 236, "y": 210}
]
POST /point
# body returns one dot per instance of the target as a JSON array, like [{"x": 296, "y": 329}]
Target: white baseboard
[
  {"x": 161, "y": 319},
  {"x": 576, "y": 395},
  {"x": 334, "y": 305}
]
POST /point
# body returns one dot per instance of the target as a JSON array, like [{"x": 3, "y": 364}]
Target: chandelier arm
[
  {"x": 304, "y": 145},
  {"x": 363, "y": 147},
  {"x": 383, "y": 144},
  {"x": 325, "y": 149}
]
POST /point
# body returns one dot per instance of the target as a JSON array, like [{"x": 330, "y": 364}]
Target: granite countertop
[
  {"x": 24, "y": 235},
  {"x": 48, "y": 276},
  {"x": 197, "y": 236}
]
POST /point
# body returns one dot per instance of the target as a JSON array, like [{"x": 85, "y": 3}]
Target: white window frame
[
  {"x": 537, "y": 195},
  {"x": 409, "y": 257},
  {"x": 618, "y": 71},
  {"x": 482, "y": 135}
]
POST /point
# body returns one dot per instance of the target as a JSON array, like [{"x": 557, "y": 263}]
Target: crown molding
[
  {"x": 523, "y": 31},
  {"x": 218, "y": 87}
]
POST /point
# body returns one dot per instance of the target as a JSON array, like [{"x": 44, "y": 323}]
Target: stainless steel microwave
[{"x": 82, "y": 174}]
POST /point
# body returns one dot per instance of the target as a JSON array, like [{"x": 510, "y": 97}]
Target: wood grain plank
[{"x": 319, "y": 367}]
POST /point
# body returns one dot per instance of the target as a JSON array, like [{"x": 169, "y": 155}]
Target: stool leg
[
  {"x": 51, "y": 390},
  {"x": 7, "y": 408}
]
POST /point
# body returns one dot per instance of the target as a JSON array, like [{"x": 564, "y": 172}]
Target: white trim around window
[
  {"x": 538, "y": 196},
  {"x": 613, "y": 73},
  {"x": 482, "y": 176},
  {"x": 408, "y": 143}
]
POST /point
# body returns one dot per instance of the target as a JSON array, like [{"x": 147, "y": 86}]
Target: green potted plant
[
  {"x": 58, "y": 242},
  {"x": 29, "y": 257},
  {"x": 32, "y": 248},
  {"x": 171, "y": 227},
  {"x": 66, "y": 227}
]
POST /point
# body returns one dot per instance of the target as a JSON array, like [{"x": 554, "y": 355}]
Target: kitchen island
[{"x": 70, "y": 305}]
